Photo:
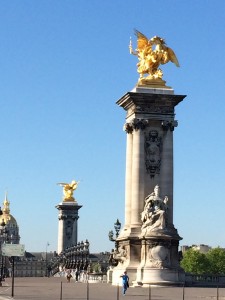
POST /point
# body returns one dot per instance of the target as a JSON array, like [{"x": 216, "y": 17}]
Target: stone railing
[{"x": 204, "y": 280}]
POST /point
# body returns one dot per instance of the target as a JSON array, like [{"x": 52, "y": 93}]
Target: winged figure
[
  {"x": 68, "y": 189},
  {"x": 151, "y": 54}
]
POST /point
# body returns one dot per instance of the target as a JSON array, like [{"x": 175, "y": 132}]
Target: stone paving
[{"x": 57, "y": 288}]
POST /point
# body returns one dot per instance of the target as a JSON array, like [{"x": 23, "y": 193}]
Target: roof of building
[{"x": 6, "y": 217}]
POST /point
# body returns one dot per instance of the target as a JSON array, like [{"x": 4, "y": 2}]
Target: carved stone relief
[
  {"x": 119, "y": 255},
  {"x": 153, "y": 149},
  {"x": 159, "y": 254},
  {"x": 69, "y": 229}
]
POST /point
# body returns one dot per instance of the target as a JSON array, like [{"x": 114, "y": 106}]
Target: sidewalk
[{"x": 43, "y": 288}]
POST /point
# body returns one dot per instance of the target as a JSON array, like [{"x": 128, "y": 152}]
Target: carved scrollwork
[
  {"x": 159, "y": 254},
  {"x": 159, "y": 257},
  {"x": 153, "y": 149}
]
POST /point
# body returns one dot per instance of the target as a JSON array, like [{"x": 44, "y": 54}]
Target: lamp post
[
  {"x": 86, "y": 255},
  {"x": 73, "y": 257},
  {"x": 117, "y": 227},
  {"x": 46, "y": 260}
]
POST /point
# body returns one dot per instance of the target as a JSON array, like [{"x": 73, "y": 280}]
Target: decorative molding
[
  {"x": 153, "y": 108},
  {"x": 166, "y": 125},
  {"x": 140, "y": 124},
  {"x": 136, "y": 124},
  {"x": 128, "y": 127},
  {"x": 159, "y": 254},
  {"x": 62, "y": 217},
  {"x": 153, "y": 149}
]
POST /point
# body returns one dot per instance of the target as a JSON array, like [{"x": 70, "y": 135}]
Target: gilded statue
[
  {"x": 68, "y": 190},
  {"x": 151, "y": 54}
]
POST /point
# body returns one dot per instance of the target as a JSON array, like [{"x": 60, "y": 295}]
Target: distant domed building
[{"x": 9, "y": 230}]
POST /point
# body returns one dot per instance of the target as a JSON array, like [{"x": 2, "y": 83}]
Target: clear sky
[{"x": 63, "y": 65}]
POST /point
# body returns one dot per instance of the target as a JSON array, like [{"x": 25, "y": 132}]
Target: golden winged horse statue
[{"x": 151, "y": 54}]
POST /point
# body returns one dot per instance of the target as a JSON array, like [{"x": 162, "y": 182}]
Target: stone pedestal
[
  {"x": 149, "y": 256},
  {"x": 68, "y": 227}
]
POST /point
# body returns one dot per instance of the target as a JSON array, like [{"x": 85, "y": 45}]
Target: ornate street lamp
[{"x": 117, "y": 227}]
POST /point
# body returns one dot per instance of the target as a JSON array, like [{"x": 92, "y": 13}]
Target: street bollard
[
  {"x": 61, "y": 291},
  {"x": 149, "y": 292},
  {"x": 183, "y": 290},
  {"x": 87, "y": 290}
]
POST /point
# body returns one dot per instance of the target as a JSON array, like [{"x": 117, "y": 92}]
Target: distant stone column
[
  {"x": 61, "y": 232},
  {"x": 67, "y": 226}
]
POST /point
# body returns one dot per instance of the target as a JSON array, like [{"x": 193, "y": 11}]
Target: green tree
[
  {"x": 96, "y": 267},
  {"x": 216, "y": 261},
  {"x": 195, "y": 262}
]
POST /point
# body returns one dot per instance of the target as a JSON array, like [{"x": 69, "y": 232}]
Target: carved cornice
[
  {"x": 164, "y": 243},
  {"x": 148, "y": 103}
]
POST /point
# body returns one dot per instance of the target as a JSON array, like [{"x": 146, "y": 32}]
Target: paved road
[{"x": 51, "y": 288}]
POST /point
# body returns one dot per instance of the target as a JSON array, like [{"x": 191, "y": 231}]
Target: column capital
[
  {"x": 136, "y": 124},
  {"x": 128, "y": 127},
  {"x": 62, "y": 217},
  {"x": 166, "y": 125},
  {"x": 140, "y": 124}
]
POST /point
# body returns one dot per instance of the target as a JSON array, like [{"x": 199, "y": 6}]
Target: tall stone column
[
  {"x": 138, "y": 166},
  {"x": 149, "y": 249},
  {"x": 68, "y": 225},
  {"x": 166, "y": 184},
  {"x": 128, "y": 182}
]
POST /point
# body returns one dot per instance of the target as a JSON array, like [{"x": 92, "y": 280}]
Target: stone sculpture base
[
  {"x": 160, "y": 260},
  {"x": 150, "y": 260},
  {"x": 161, "y": 277},
  {"x": 152, "y": 83}
]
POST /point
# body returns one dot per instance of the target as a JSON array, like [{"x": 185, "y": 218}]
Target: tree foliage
[
  {"x": 194, "y": 262},
  {"x": 216, "y": 260},
  {"x": 96, "y": 267},
  {"x": 213, "y": 262}
]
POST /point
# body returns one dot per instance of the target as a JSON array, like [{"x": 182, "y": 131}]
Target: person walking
[
  {"x": 125, "y": 282},
  {"x": 68, "y": 276},
  {"x": 77, "y": 274}
]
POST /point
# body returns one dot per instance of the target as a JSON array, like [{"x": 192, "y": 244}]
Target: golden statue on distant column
[
  {"x": 151, "y": 54},
  {"x": 68, "y": 189}
]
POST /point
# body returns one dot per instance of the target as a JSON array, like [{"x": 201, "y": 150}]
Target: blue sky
[{"x": 63, "y": 65}]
